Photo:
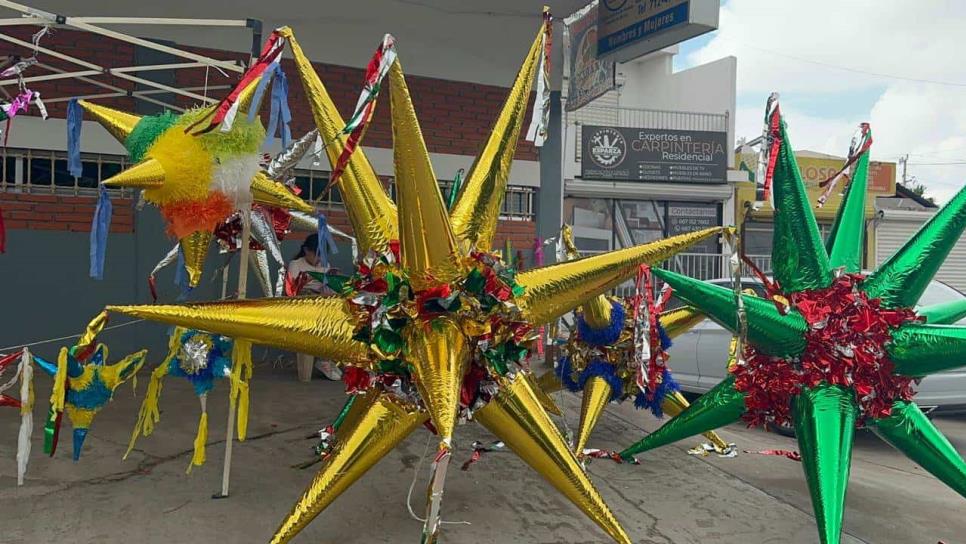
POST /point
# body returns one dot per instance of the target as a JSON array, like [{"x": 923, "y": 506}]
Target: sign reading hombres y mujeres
[{"x": 645, "y": 154}]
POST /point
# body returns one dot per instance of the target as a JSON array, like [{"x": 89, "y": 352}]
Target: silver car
[{"x": 699, "y": 357}]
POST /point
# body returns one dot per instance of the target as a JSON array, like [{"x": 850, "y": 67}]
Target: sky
[{"x": 836, "y": 63}]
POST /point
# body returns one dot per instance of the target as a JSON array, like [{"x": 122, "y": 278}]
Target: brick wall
[
  {"x": 57, "y": 212},
  {"x": 456, "y": 116}
]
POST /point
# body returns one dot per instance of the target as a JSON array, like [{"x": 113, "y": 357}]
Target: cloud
[{"x": 786, "y": 46}]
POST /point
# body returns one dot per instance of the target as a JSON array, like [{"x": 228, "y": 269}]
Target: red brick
[
  {"x": 45, "y": 225},
  {"x": 14, "y": 224}
]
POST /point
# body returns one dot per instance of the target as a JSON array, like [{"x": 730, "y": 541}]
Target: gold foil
[
  {"x": 147, "y": 174},
  {"x": 425, "y": 238},
  {"x": 375, "y": 424},
  {"x": 118, "y": 123},
  {"x": 675, "y": 403},
  {"x": 549, "y": 382},
  {"x": 515, "y": 416},
  {"x": 438, "y": 353},
  {"x": 678, "y": 321},
  {"x": 597, "y": 310},
  {"x": 272, "y": 193},
  {"x": 194, "y": 247},
  {"x": 371, "y": 212},
  {"x": 542, "y": 395},
  {"x": 597, "y": 393},
  {"x": 318, "y": 326},
  {"x": 554, "y": 290},
  {"x": 477, "y": 210}
]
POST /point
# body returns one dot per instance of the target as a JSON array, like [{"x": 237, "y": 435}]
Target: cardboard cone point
[
  {"x": 438, "y": 354},
  {"x": 147, "y": 174},
  {"x": 515, "y": 416},
  {"x": 543, "y": 395},
  {"x": 675, "y": 403},
  {"x": 597, "y": 393},
  {"x": 272, "y": 193},
  {"x": 119, "y": 123},
  {"x": 195, "y": 249},
  {"x": 376, "y": 423}
]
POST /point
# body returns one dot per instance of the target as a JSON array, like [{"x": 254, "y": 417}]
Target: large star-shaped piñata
[
  {"x": 599, "y": 359},
  {"x": 845, "y": 351},
  {"x": 431, "y": 327},
  {"x": 198, "y": 181}
]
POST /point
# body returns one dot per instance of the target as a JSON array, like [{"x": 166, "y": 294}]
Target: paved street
[{"x": 671, "y": 498}]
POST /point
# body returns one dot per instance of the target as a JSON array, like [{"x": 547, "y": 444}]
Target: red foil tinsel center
[{"x": 845, "y": 346}]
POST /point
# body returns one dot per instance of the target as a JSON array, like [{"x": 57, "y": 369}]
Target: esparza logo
[{"x": 607, "y": 148}]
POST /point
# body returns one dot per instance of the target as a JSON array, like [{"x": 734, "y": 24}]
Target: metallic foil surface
[
  {"x": 272, "y": 193},
  {"x": 721, "y": 406},
  {"x": 371, "y": 212},
  {"x": 147, "y": 174},
  {"x": 799, "y": 260},
  {"x": 427, "y": 244},
  {"x": 259, "y": 265},
  {"x": 438, "y": 354},
  {"x": 318, "y": 326},
  {"x": 597, "y": 310},
  {"x": 920, "y": 350},
  {"x": 680, "y": 320},
  {"x": 825, "y": 426},
  {"x": 549, "y": 382},
  {"x": 846, "y": 239},
  {"x": 596, "y": 395},
  {"x": 263, "y": 231},
  {"x": 282, "y": 166},
  {"x": 477, "y": 210},
  {"x": 554, "y": 290},
  {"x": 675, "y": 403},
  {"x": 902, "y": 279},
  {"x": 543, "y": 395},
  {"x": 118, "y": 123},
  {"x": 910, "y": 431},
  {"x": 194, "y": 247},
  {"x": 768, "y": 330},
  {"x": 375, "y": 424},
  {"x": 944, "y": 313},
  {"x": 515, "y": 416}
]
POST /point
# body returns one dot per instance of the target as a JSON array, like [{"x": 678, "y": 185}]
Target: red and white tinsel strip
[
  {"x": 376, "y": 70},
  {"x": 224, "y": 115},
  {"x": 540, "y": 119},
  {"x": 771, "y": 143},
  {"x": 861, "y": 143}
]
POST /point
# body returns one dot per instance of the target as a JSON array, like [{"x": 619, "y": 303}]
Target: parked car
[{"x": 699, "y": 356}]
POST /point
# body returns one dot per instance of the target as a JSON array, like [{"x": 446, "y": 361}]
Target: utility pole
[{"x": 904, "y": 160}]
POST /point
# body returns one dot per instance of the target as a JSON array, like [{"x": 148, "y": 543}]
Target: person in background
[{"x": 298, "y": 282}]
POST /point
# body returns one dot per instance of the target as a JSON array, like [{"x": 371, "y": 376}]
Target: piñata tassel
[
  {"x": 326, "y": 244},
  {"x": 198, "y": 458},
  {"x": 100, "y": 227},
  {"x": 59, "y": 393},
  {"x": 75, "y": 120},
  {"x": 537, "y": 132},
  {"x": 26, "y": 414},
  {"x": 280, "y": 111},
  {"x": 149, "y": 414},
  {"x": 455, "y": 189},
  {"x": 241, "y": 373}
]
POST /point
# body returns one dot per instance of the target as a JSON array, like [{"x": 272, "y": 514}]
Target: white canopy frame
[{"x": 88, "y": 71}]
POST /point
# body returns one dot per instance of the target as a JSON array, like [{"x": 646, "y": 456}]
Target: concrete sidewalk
[{"x": 671, "y": 498}]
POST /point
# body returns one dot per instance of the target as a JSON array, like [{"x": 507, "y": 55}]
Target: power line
[
  {"x": 854, "y": 70},
  {"x": 936, "y": 163}
]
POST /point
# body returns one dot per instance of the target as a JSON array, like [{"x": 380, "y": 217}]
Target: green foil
[
  {"x": 345, "y": 411},
  {"x": 799, "y": 260},
  {"x": 768, "y": 330},
  {"x": 910, "y": 431},
  {"x": 825, "y": 426},
  {"x": 721, "y": 406},
  {"x": 919, "y": 350},
  {"x": 944, "y": 313},
  {"x": 902, "y": 279},
  {"x": 844, "y": 243}
]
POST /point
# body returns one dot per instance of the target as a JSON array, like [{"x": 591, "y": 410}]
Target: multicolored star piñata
[
  {"x": 432, "y": 328},
  {"x": 845, "y": 349}
]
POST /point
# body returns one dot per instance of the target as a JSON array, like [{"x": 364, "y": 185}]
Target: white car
[{"x": 699, "y": 357}]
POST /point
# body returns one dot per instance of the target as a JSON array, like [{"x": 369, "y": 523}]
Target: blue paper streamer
[
  {"x": 181, "y": 276},
  {"x": 606, "y": 336},
  {"x": 668, "y": 385},
  {"x": 100, "y": 228},
  {"x": 75, "y": 120},
  {"x": 596, "y": 368},
  {"x": 326, "y": 243},
  {"x": 280, "y": 110},
  {"x": 259, "y": 92}
]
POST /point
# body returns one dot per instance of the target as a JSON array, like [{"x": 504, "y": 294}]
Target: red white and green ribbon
[
  {"x": 376, "y": 70},
  {"x": 771, "y": 144},
  {"x": 537, "y": 132},
  {"x": 224, "y": 115},
  {"x": 861, "y": 143}
]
